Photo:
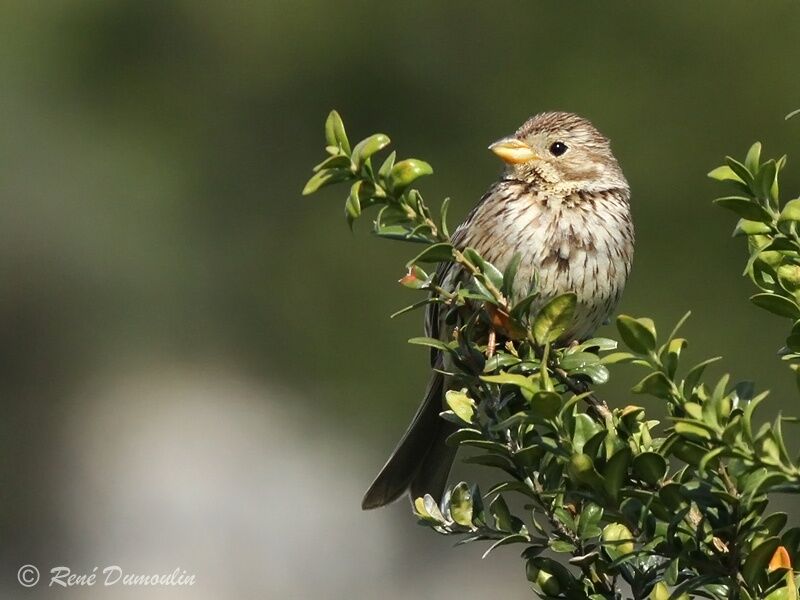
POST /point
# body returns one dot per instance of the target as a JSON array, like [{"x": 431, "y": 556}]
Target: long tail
[{"x": 422, "y": 460}]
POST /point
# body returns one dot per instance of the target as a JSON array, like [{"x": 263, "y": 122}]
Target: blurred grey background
[{"x": 197, "y": 369}]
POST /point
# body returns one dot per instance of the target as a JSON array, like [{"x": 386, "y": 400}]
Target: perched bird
[{"x": 563, "y": 204}]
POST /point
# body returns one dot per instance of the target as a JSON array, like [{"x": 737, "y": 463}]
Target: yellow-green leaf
[
  {"x": 334, "y": 132},
  {"x": 554, "y": 318},
  {"x": 791, "y": 211},
  {"x": 369, "y": 146},
  {"x": 406, "y": 172},
  {"x": 326, "y": 177},
  {"x": 724, "y": 173},
  {"x": 461, "y": 404},
  {"x": 638, "y": 334}
]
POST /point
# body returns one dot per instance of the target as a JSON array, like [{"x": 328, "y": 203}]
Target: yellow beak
[{"x": 513, "y": 151}]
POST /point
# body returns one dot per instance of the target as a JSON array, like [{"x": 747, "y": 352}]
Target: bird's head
[{"x": 563, "y": 151}]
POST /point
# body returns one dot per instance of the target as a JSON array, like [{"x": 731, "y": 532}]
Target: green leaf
[
  {"x": 656, "y": 384},
  {"x": 324, "y": 178},
  {"x": 514, "y": 538},
  {"x": 755, "y": 566},
  {"x": 661, "y": 591},
  {"x": 617, "y": 357},
  {"x": 502, "y": 516},
  {"x": 791, "y": 211},
  {"x": 745, "y": 227},
  {"x": 463, "y": 435},
  {"x": 599, "y": 343},
  {"x": 598, "y": 373},
  {"x": 430, "y": 342},
  {"x": 387, "y": 165},
  {"x": 615, "y": 472},
  {"x": 426, "y": 508},
  {"x": 441, "y": 252},
  {"x": 694, "y": 410},
  {"x": 406, "y": 172},
  {"x": 352, "y": 207},
  {"x": 369, "y": 146},
  {"x": 585, "y": 429},
  {"x": 740, "y": 170},
  {"x": 522, "y": 308},
  {"x": 671, "y": 495},
  {"x": 487, "y": 445},
  {"x": 777, "y": 305},
  {"x": 491, "y": 460},
  {"x": 791, "y": 541},
  {"x": 786, "y": 591},
  {"x": 687, "y": 451},
  {"x": 581, "y": 470},
  {"x": 681, "y": 592},
  {"x": 500, "y": 360},
  {"x": 763, "y": 484},
  {"x": 724, "y": 173},
  {"x": 443, "y": 217},
  {"x": 617, "y": 540},
  {"x": 638, "y": 334},
  {"x": 521, "y": 381},
  {"x": 461, "y": 404},
  {"x": 334, "y": 162},
  {"x": 692, "y": 430},
  {"x": 552, "y": 577},
  {"x": 461, "y": 505},
  {"x": 767, "y": 183},
  {"x": 554, "y": 318},
  {"x": 752, "y": 161},
  {"x": 650, "y": 467},
  {"x": 398, "y": 232},
  {"x": 510, "y": 275},
  {"x": 671, "y": 354},
  {"x": 694, "y": 375},
  {"x": 747, "y": 417},
  {"x": 334, "y": 132},
  {"x": 775, "y": 522},
  {"x": 491, "y": 272},
  {"x": 589, "y": 521},
  {"x": 578, "y": 360},
  {"x": 410, "y": 307},
  {"x": 789, "y": 276},
  {"x": 546, "y": 404},
  {"x": 710, "y": 459},
  {"x": 561, "y": 546},
  {"x": 745, "y": 208}
]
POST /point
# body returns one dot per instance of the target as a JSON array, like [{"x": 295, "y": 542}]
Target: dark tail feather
[
  {"x": 432, "y": 475},
  {"x": 421, "y": 460}
]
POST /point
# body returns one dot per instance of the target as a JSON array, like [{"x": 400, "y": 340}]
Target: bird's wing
[
  {"x": 433, "y": 312},
  {"x": 449, "y": 273}
]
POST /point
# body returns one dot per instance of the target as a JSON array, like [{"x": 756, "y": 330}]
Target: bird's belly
[{"x": 569, "y": 251}]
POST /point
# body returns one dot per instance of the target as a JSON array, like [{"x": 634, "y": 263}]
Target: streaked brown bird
[{"x": 563, "y": 204}]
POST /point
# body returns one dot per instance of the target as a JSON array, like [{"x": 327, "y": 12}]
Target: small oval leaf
[
  {"x": 554, "y": 318},
  {"x": 638, "y": 334},
  {"x": 777, "y": 305},
  {"x": 406, "y": 172}
]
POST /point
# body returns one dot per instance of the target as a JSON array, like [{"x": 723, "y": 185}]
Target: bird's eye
[{"x": 558, "y": 148}]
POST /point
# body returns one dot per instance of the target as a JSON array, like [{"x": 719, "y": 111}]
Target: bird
[{"x": 562, "y": 203}]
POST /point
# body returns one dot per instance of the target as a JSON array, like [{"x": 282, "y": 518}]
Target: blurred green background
[{"x": 197, "y": 368}]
